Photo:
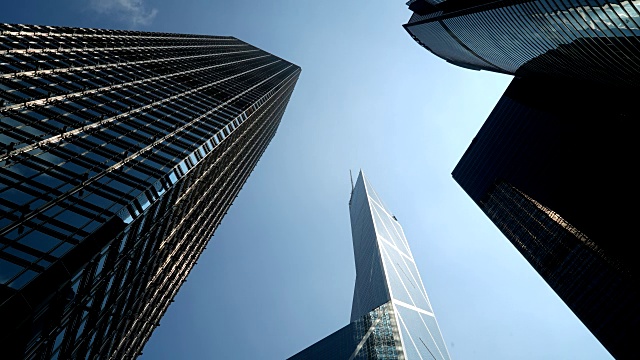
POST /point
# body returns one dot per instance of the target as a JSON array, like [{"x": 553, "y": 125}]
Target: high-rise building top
[
  {"x": 391, "y": 315},
  {"x": 121, "y": 152},
  {"x": 580, "y": 39}
]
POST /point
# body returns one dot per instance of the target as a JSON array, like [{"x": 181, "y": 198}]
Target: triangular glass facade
[{"x": 391, "y": 315}]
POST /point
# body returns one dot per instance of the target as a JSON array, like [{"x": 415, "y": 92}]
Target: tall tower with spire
[{"x": 391, "y": 315}]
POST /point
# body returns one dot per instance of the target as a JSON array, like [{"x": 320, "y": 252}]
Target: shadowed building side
[{"x": 551, "y": 168}]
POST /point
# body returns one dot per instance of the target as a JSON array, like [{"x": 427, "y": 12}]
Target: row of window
[
  {"x": 26, "y": 40},
  {"x": 90, "y": 32}
]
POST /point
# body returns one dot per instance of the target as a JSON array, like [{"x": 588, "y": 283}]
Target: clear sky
[{"x": 279, "y": 273}]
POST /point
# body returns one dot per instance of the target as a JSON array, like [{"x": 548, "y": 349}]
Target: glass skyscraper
[
  {"x": 391, "y": 315},
  {"x": 550, "y": 165},
  {"x": 555, "y": 180},
  {"x": 594, "y": 40},
  {"x": 121, "y": 151}
]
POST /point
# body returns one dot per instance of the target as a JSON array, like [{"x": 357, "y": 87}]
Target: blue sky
[{"x": 279, "y": 273}]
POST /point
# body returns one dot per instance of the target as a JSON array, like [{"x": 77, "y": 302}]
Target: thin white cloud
[{"x": 132, "y": 11}]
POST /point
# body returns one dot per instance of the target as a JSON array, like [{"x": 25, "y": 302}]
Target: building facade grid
[{"x": 121, "y": 152}]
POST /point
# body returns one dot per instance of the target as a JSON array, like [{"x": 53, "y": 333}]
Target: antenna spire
[{"x": 351, "y": 177}]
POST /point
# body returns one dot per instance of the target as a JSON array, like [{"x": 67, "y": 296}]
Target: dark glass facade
[
  {"x": 391, "y": 315},
  {"x": 121, "y": 151},
  {"x": 594, "y": 40},
  {"x": 551, "y": 167}
]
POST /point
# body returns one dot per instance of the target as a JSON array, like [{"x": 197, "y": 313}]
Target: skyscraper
[
  {"x": 549, "y": 165},
  {"x": 121, "y": 153},
  {"x": 594, "y": 40},
  {"x": 391, "y": 315},
  {"x": 555, "y": 180}
]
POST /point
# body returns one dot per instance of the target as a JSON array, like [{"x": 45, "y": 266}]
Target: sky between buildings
[{"x": 279, "y": 273}]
